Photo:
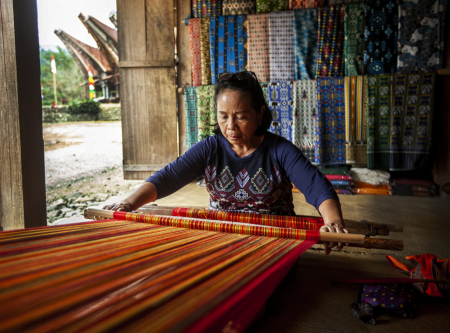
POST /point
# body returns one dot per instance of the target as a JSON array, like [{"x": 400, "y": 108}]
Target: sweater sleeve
[
  {"x": 184, "y": 169},
  {"x": 306, "y": 177}
]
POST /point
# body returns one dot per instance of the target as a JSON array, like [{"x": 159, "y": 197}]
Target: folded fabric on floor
[
  {"x": 344, "y": 191},
  {"x": 367, "y": 185},
  {"x": 371, "y": 191},
  {"x": 338, "y": 177},
  {"x": 414, "y": 182},
  {"x": 374, "y": 177},
  {"x": 414, "y": 190},
  {"x": 341, "y": 182},
  {"x": 343, "y": 170}
]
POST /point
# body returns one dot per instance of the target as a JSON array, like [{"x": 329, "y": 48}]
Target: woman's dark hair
[{"x": 253, "y": 90}]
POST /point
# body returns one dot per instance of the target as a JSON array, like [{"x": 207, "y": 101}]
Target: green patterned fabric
[
  {"x": 265, "y": 89},
  {"x": 204, "y": 50},
  {"x": 205, "y": 101},
  {"x": 379, "y": 96},
  {"x": 190, "y": 98},
  {"x": 354, "y": 39},
  {"x": 266, "y": 6}
]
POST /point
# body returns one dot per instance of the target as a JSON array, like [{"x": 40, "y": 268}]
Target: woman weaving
[{"x": 245, "y": 167}]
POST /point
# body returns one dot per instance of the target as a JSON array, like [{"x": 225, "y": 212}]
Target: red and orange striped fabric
[{"x": 127, "y": 277}]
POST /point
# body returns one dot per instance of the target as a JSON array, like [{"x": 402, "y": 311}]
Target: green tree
[{"x": 68, "y": 77}]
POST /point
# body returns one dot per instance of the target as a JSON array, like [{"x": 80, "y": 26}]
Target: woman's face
[{"x": 238, "y": 121}]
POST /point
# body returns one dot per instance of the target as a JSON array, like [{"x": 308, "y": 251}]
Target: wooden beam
[
  {"x": 146, "y": 63},
  {"x": 22, "y": 174}
]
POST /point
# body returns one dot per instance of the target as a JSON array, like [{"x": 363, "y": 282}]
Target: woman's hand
[
  {"x": 334, "y": 222},
  {"x": 120, "y": 206}
]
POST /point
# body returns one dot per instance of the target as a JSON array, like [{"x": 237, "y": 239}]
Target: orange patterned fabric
[
  {"x": 299, "y": 4},
  {"x": 195, "y": 46},
  {"x": 258, "y": 46}
]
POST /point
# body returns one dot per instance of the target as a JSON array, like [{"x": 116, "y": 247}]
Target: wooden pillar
[
  {"x": 183, "y": 68},
  {"x": 22, "y": 174},
  {"x": 147, "y": 80}
]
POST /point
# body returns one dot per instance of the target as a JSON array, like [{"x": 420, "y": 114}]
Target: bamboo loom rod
[{"x": 354, "y": 239}]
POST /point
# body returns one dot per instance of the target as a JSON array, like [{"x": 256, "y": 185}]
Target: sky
[{"x": 63, "y": 14}]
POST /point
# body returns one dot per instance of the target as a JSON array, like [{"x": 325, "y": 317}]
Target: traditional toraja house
[
  {"x": 90, "y": 58},
  {"x": 106, "y": 39},
  {"x": 113, "y": 18},
  {"x": 125, "y": 294}
]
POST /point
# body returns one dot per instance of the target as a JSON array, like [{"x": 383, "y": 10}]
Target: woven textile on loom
[
  {"x": 330, "y": 122},
  {"x": 124, "y": 276},
  {"x": 195, "y": 47},
  {"x": 379, "y": 96},
  {"x": 421, "y": 35},
  {"x": 281, "y": 40},
  {"x": 355, "y": 121},
  {"x": 267, "y": 6},
  {"x": 206, "y": 111},
  {"x": 190, "y": 97},
  {"x": 381, "y": 30},
  {"x": 304, "y": 109},
  {"x": 281, "y": 103},
  {"x": 354, "y": 39},
  {"x": 330, "y": 54},
  {"x": 227, "y": 40},
  {"x": 258, "y": 46},
  {"x": 305, "y": 42},
  {"x": 238, "y": 7},
  {"x": 206, "y": 8},
  {"x": 300, "y": 4},
  {"x": 411, "y": 121}
]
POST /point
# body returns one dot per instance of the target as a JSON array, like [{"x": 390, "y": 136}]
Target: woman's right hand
[{"x": 120, "y": 207}]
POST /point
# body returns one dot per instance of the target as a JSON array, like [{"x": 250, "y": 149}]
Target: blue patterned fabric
[
  {"x": 421, "y": 35},
  {"x": 281, "y": 102},
  {"x": 190, "y": 98},
  {"x": 330, "y": 121},
  {"x": 227, "y": 38},
  {"x": 305, "y": 39},
  {"x": 380, "y": 35}
]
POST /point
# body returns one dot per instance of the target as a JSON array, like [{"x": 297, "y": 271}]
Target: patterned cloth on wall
[
  {"x": 305, "y": 42},
  {"x": 330, "y": 54},
  {"x": 266, "y": 6},
  {"x": 340, "y": 2},
  {"x": 281, "y": 40},
  {"x": 354, "y": 39},
  {"x": 304, "y": 111},
  {"x": 190, "y": 98},
  {"x": 206, "y": 8},
  {"x": 380, "y": 46},
  {"x": 300, "y": 4},
  {"x": 421, "y": 35},
  {"x": 195, "y": 47},
  {"x": 204, "y": 49},
  {"x": 379, "y": 95},
  {"x": 280, "y": 103},
  {"x": 205, "y": 102},
  {"x": 258, "y": 46},
  {"x": 330, "y": 121},
  {"x": 411, "y": 121},
  {"x": 228, "y": 36},
  {"x": 355, "y": 121},
  {"x": 238, "y": 7},
  {"x": 265, "y": 89}
]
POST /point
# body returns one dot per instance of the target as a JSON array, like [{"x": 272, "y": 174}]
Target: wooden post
[
  {"x": 22, "y": 175},
  {"x": 147, "y": 79}
]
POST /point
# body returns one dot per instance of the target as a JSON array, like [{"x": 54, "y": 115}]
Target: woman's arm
[
  {"x": 144, "y": 194},
  {"x": 331, "y": 212}
]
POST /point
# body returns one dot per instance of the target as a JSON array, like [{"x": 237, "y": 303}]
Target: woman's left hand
[{"x": 337, "y": 227}]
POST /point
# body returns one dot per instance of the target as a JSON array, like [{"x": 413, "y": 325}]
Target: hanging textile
[
  {"x": 280, "y": 103},
  {"x": 204, "y": 49},
  {"x": 281, "y": 40},
  {"x": 266, "y": 6},
  {"x": 265, "y": 89},
  {"x": 238, "y": 7},
  {"x": 304, "y": 110},
  {"x": 300, "y": 4},
  {"x": 340, "y": 2},
  {"x": 228, "y": 36},
  {"x": 190, "y": 98},
  {"x": 305, "y": 42},
  {"x": 354, "y": 39},
  {"x": 195, "y": 47},
  {"x": 206, "y": 8},
  {"x": 379, "y": 91},
  {"x": 330, "y": 54},
  {"x": 355, "y": 121},
  {"x": 330, "y": 121},
  {"x": 205, "y": 102},
  {"x": 411, "y": 121},
  {"x": 421, "y": 35},
  {"x": 380, "y": 47},
  {"x": 258, "y": 46}
]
